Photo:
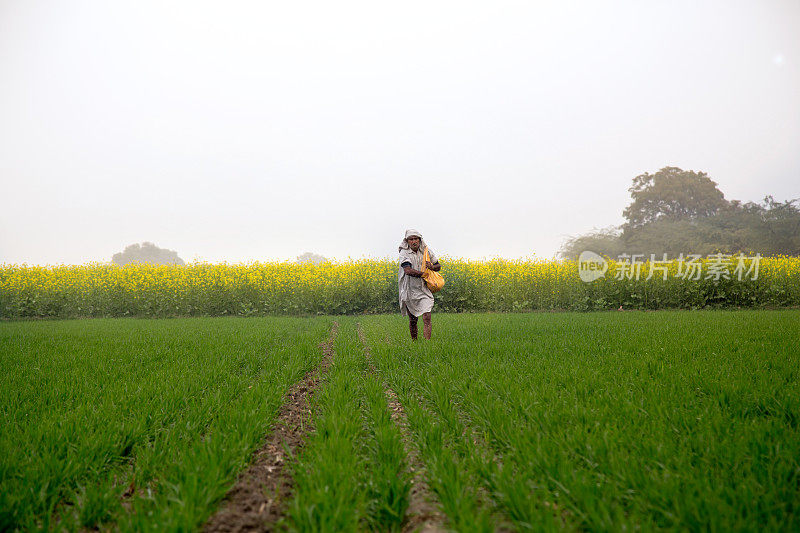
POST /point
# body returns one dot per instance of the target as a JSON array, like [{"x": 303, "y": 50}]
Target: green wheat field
[{"x": 623, "y": 421}]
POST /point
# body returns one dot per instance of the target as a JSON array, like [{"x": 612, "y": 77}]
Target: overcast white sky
[{"x": 238, "y": 131}]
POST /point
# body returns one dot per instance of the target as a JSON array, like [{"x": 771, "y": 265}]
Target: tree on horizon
[
  {"x": 147, "y": 252},
  {"x": 675, "y": 211}
]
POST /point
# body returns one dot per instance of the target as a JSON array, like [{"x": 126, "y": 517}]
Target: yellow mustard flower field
[{"x": 370, "y": 286}]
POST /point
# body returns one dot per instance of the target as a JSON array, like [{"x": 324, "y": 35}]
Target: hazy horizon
[{"x": 261, "y": 131}]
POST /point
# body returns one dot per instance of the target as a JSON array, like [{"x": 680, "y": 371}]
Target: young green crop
[
  {"x": 615, "y": 420},
  {"x": 548, "y": 421},
  {"x": 166, "y": 410},
  {"x": 351, "y": 475}
]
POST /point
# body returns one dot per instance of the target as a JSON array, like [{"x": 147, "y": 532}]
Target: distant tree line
[
  {"x": 675, "y": 211},
  {"x": 310, "y": 257},
  {"x": 147, "y": 252}
]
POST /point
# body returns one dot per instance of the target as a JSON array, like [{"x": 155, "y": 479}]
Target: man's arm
[
  {"x": 410, "y": 271},
  {"x": 416, "y": 273}
]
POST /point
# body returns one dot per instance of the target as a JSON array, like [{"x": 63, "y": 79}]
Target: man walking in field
[{"x": 415, "y": 298}]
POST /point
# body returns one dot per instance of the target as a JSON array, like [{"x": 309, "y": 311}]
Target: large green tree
[
  {"x": 672, "y": 194},
  {"x": 675, "y": 211}
]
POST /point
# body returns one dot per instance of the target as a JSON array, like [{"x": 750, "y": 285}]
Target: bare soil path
[{"x": 257, "y": 500}]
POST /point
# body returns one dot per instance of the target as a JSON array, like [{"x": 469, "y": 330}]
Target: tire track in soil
[
  {"x": 257, "y": 500},
  {"x": 423, "y": 513}
]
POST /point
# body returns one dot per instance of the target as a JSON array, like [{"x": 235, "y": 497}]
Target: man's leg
[
  {"x": 412, "y": 326},
  {"x": 426, "y": 325}
]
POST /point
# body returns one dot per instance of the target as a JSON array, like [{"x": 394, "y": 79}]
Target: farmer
[{"x": 415, "y": 298}]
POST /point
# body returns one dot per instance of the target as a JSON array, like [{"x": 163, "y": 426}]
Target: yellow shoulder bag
[{"x": 433, "y": 279}]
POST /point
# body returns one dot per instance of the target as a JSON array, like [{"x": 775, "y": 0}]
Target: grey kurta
[{"x": 415, "y": 297}]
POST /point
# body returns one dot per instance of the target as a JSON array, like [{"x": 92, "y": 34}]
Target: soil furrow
[
  {"x": 423, "y": 513},
  {"x": 257, "y": 500}
]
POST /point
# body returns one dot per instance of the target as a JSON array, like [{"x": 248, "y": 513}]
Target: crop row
[{"x": 352, "y": 473}]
